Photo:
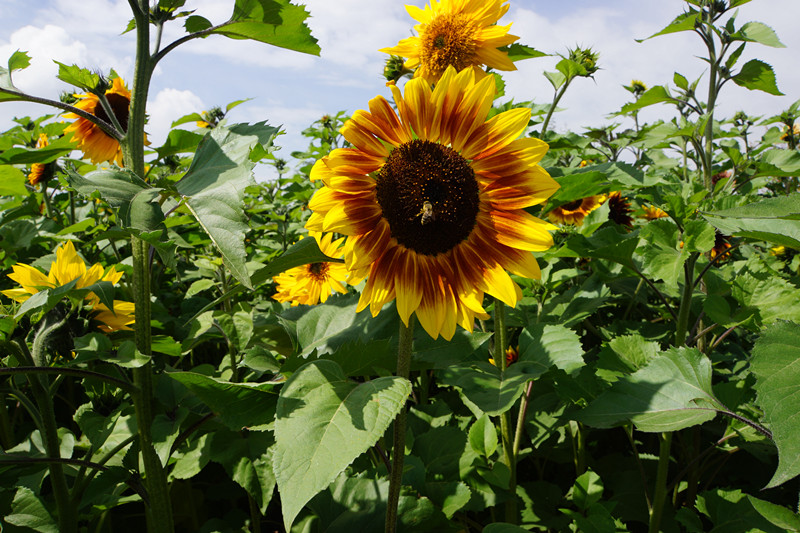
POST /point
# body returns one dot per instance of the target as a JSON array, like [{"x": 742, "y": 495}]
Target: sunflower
[
  {"x": 512, "y": 355},
  {"x": 432, "y": 200},
  {"x": 652, "y": 212},
  {"x": 575, "y": 211},
  {"x": 41, "y": 172},
  {"x": 619, "y": 209},
  {"x": 92, "y": 140},
  {"x": 313, "y": 283},
  {"x": 66, "y": 268},
  {"x": 457, "y": 33},
  {"x": 721, "y": 247}
]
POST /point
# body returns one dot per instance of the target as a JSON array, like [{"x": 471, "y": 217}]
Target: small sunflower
[
  {"x": 652, "y": 212},
  {"x": 721, "y": 247},
  {"x": 512, "y": 355},
  {"x": 313, "y": 283},
  {"x": 637, "y": 87},
  {"x": 457, "y": 33},
  {"x": 790, "y": 134},
  {"x": 67, "y": 267},
  {"x": 619, "y": 209},
  {"x": 432, "y": 200},
  {"x": 95, "y": 144},
  {"x": 778, "y": 251},
  {"x": 575, "y": 211},
  {"x": 41, "y": 172}
]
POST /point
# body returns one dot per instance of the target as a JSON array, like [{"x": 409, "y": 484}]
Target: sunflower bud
[
  {"x": 395, "y": 68},
  {"x": 586, "y": 58},
  {"x": 637, "y": 87},
  {"x": 103, "y": 85}
]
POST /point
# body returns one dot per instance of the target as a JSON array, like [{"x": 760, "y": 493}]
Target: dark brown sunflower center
[
  {"x": 573, "y": 205},
  {"x": 119, "y": 105},
  {"x": 318, "y": 271},
  {"x": 448, "y": 40},
  {"x": 429, "y": 196}
]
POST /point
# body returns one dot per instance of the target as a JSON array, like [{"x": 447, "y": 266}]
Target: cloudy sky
[{"x": 293, "y": 90}]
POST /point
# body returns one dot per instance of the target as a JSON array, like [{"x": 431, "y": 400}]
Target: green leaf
[
  {"x": 191, "y": 117},
  {"x": 732, "y": 511},
  {"x": 128, "y": 356},
  {"x": 117, "y": 187},
  {"x": 47, "y": 299},
  {"x": 775, "y": 220},
  {"x": 238, "y": 405},
  {"x": 275, "y": 22},
  {"x": 179, "y": 142},
  {"x": 587, "y": 490},
  {"x": 680, "y": 81},
  {"x": 683, "y": 22},
  {"x": 492, "y": 391},
  {"x": 449, "y": 496},
  {"x": 25, "y": 156},
  {"x": 607, "y": 243},
  {"x": 518, "y": 52},
  {"x": 248, "y": 460},
  {"x": 28, "y": 511},
  {"x": 672, "y": 392},
  {"x": 324, "y": 421},
  {"x": 774, "y": 363},
  {"x": 653, "y": 95},
  {"x": 303, "y": 252},
  {"x": 542, "y": 346},
  {"x": 556, "y": 79},
  {"x": 196, "y": 23},
  {"x": 757, "y": 75},
  {"x": 503, "y": 527},
  {"x": 199, "y": 286},
  {"x": 483, "y": 436},
  {"x": 765, "y": 297},
  {"x": 758, "y": 32},
  {"x": 17, "y": 61},
  {"x": 12, "y": 181},
  {"x": 213, "y": 190},
  {"x": 570, "y": 68},
  {"x": 356, "y": 358},
  {"x": 77, "y": 76}
]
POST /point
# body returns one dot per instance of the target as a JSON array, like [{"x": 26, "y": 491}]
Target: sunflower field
[{"x": 442, "y": 316}]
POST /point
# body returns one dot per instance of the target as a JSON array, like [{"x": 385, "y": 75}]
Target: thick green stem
[
  {"x": 660, "y": 492},
  {"x": 686, "y": 301},
  {"x": 40, "y": 387},
  {"x": 404, "y": 347},
  {"x": 506, "y": 431},
  {"x": 712, "y": 99},
  {"x": 6, "y": 431}
]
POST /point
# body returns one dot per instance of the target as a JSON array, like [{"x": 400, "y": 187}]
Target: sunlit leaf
[
  {"x": 672, "y": 392},
  {"x": 28, "y": 511},
  {"x": 12, "y": 181},
  {"x": 775, "y": 220},
  {"x": 758, "y": 32},
  {"x": 683, "y": 22},
  {"x": 324, "y": 421},
  {"x": 518, "y": 52}
]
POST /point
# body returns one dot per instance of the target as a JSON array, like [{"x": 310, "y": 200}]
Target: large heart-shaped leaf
[
  {"x": 775, "y": 357},
  {"x": 672, "y": 392},
  {"x": 324, "y": 421}
]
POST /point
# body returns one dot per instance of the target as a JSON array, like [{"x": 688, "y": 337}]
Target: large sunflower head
[
  {"x": 96, "y": 145},
  {"x": 619, "y": 209},
  {"x": 432, "y": 200},
  {"x": 313, "y": 283},
  {"x": 457, "y": 33},
  {"x": 575, "y": 211}
]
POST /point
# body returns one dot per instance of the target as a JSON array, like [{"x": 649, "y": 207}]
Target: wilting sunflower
[
  {"x": 92, "y": 140},
  {"x": 41, "y": 172},
  {"x": 457, "y": 33},
  {"x": 66, "y": 268},
  {"x": 619, "y": 209},
  {"x": 433, "y": 200},
  {"x": 652, "y": 212},
  {"x": 313, "y": 283},
  {"x": 575, "y": 211}
]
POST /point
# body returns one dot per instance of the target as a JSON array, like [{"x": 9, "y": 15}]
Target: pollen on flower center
[
  {"x": 449, "y": 40},
  {"x": 428, "y": 195},
  {"x": 119, "y": 105}
]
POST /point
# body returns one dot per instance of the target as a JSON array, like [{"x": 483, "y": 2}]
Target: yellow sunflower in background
[
  {"x": 575, "y": 211},
  {"x": 40, "y": 172},
  {"x": 652, "y": 212},
  {"x": 313, "y": 283},
  {"x": 457, "y": 33},
  {"x": 67, "y": 267},
  {"x": 432, "y": 200},
  {"x": 95, "y": 144}
]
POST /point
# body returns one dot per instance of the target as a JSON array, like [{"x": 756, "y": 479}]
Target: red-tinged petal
[{"x": 497, "y": 133}]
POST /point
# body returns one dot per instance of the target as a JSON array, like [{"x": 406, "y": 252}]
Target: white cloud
[{"x": 168, "y": 106}]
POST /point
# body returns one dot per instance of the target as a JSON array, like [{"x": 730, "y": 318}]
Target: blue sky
[{"x": 293, "y": 90}]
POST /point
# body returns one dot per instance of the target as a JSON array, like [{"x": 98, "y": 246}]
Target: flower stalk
[
  {"x": 506, "y": 431},
  {"x": 404, "y": 348}
]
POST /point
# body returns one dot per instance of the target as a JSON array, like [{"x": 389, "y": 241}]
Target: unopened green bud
[
  {"x": 395, "y": 68},
  {"x": 586, "y": 58}
]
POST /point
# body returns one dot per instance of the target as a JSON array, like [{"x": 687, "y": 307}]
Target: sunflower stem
[
  {"x": 106, "y": 105},
  {"x": 660, "y": 492},
  {"x": 686, "y": 301},
  {"x": 500, "y": 342},
  {"x": 40, "y": 385},
  {"x": 159, "y": 510},
  {"x": 556, "y": 99},
  {"x": 404, "y": 348}
]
